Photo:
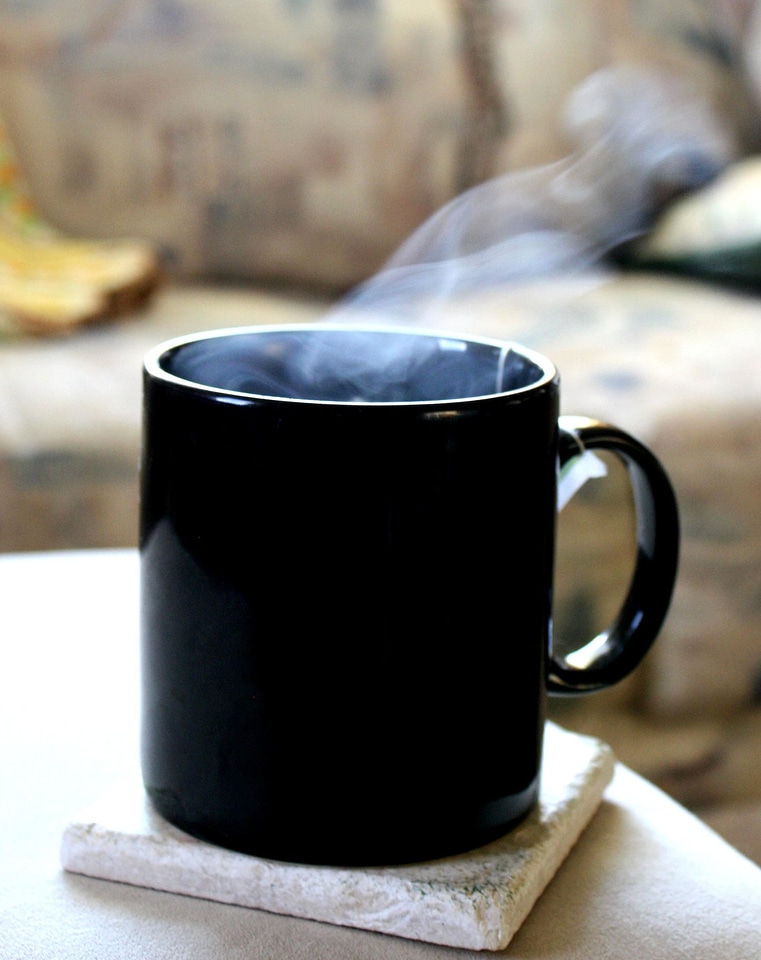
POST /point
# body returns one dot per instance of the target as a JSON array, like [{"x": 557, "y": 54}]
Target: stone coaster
[{"x": 476, "y": 900}]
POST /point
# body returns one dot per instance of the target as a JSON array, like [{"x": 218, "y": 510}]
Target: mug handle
[{"x": 615, "y": 652}]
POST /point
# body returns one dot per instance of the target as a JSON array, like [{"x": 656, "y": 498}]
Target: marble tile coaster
[{"x": 476, "y": 900}]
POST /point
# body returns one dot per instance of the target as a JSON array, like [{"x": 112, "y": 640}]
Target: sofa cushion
[{"x": 304, "y": 140}]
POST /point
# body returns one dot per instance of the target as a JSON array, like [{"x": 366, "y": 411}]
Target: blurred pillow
[{"x": 714, "y": 232}]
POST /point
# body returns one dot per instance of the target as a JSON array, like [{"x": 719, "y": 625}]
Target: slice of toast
[{"x": 51, "y": 284}]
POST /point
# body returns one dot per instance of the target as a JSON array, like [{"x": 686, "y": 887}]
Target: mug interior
[{"x": 353, "y": 365}]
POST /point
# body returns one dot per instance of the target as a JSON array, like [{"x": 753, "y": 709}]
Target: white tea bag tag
[{"x": 576, "y": 472}]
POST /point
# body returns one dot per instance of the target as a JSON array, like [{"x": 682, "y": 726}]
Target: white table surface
[{"x": 647, "y": 879}]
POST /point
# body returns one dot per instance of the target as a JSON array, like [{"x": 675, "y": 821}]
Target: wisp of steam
[{"x": 638, "y": 137}]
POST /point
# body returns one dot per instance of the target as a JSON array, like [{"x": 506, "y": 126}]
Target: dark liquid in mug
[{"x": 353, "y": 366}]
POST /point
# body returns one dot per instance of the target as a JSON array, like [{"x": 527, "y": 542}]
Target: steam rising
[{"x": 638, "y": 137}]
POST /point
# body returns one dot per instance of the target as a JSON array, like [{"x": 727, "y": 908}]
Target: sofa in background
[
  {"x": 304, "y": 140},
  {"x": 291, "y": 148}
]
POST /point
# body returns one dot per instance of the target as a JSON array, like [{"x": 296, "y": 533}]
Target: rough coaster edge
[{"x": 491, "y": 905}]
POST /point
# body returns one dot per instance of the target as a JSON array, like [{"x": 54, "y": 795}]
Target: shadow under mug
[{"x": 347, "y": 548}]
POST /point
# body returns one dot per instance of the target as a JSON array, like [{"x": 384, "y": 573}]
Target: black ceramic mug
[{"x": 347, "y": 542}]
